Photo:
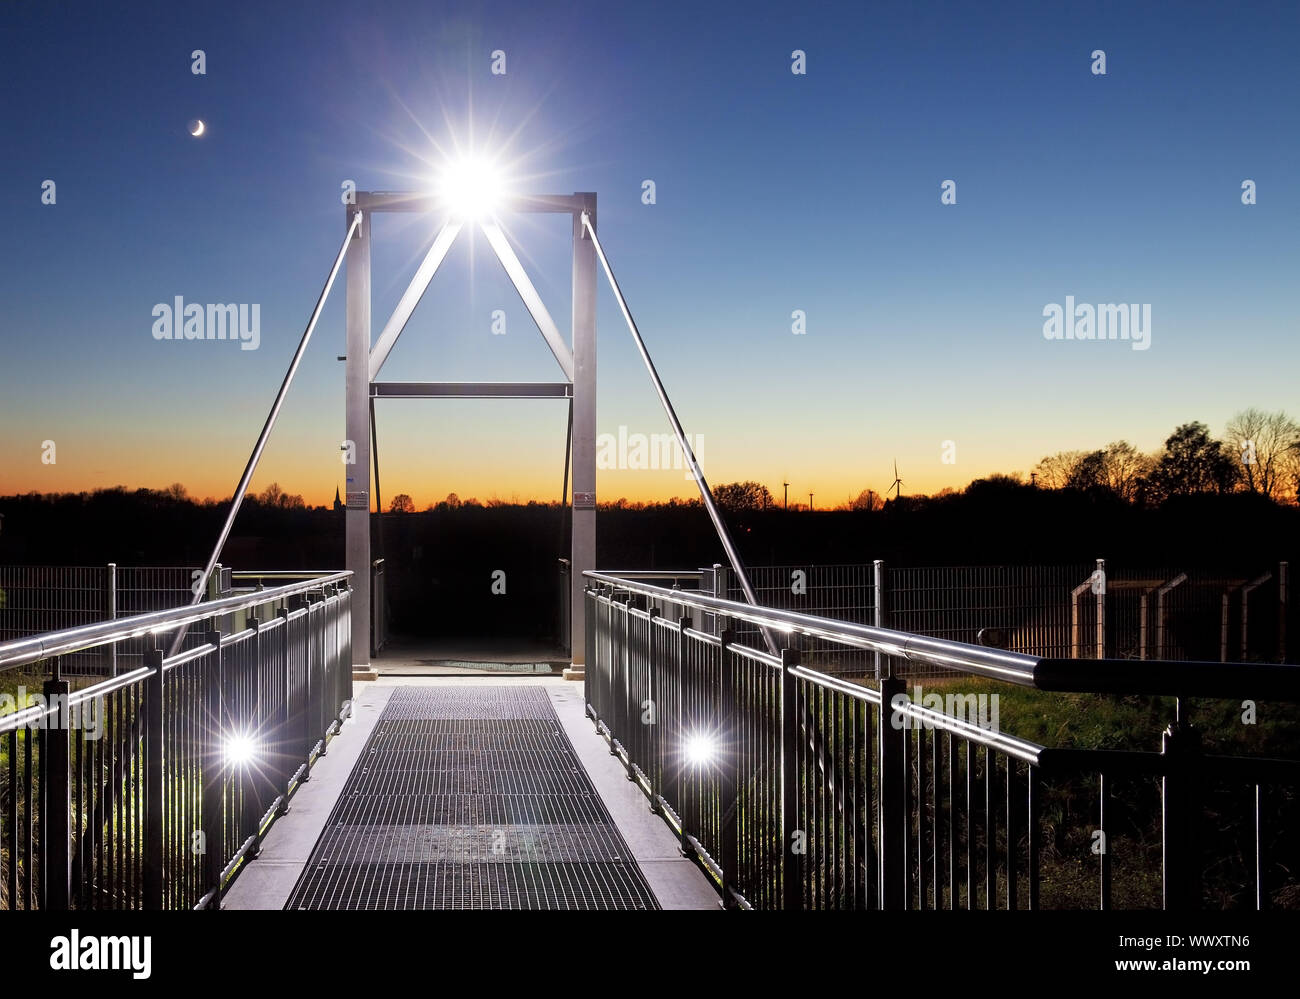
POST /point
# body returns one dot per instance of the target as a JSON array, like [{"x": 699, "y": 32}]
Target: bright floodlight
[
  {"x": 699, "y": 750},
  {"x": 239, "y": 750},
  {"x": 471, "y": 187}
]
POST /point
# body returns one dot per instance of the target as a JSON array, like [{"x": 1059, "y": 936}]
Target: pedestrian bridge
[
  {"x": 780, "y": 759},
  {"x": 717, "y": 753}
]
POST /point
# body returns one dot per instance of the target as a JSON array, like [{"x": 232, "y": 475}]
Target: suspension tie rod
[
  {"x": 705, "y": 494},
  {"x": 201, "y": 585}
]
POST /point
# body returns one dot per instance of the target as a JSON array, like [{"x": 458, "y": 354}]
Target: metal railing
[
  {"x": 153, "y": 789},
  {"x": 799, "y": 789}
]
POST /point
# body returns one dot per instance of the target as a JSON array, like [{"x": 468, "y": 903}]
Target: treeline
[{"x": 1259, "y": 453}]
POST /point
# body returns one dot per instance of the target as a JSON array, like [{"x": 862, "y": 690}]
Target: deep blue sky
[{"x": 775, "y": 192}]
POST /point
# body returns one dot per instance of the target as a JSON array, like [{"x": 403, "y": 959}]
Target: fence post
[
  {"x": 893, "y": 796},
  {"x": 878, "y": 603},
  {"x": 1281, "y": 610},
  {"x": 153, "y": 779},
  {"x": 729, "y": 757},
  {"x": 112, "y": 614},
  {"x": 1181, "y": 746},
  {"x": 213, "y": 769},
  {"x": 1100, "y": 593},
  {"x": 56, "y": 796},
  {"x": 792, "y": 861},
  {"x": 721, "y": 587}
]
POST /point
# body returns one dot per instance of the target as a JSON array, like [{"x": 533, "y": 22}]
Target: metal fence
[
  {"x": 798, "y": 789},
  {"x": 152, "y": 789},
  {"x": 35, "y": 599},
  {"x": 1081, "y": 610}
]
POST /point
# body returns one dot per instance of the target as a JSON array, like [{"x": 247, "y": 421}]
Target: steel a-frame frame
[{"x": 577, "y": 361}]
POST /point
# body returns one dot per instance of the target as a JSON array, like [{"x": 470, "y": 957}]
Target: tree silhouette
[
  {"x": 1193, "y": 462},
  {"x": 1264, "y": 445},
  {"x": 402, "y": 503},
  {"x": 742, "y": 496}
]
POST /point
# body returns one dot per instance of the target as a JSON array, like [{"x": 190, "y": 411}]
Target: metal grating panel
[{"x": 470, "y": 798}]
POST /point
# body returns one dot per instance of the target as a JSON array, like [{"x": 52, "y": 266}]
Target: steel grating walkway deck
[{"x": 470, "y": 798}]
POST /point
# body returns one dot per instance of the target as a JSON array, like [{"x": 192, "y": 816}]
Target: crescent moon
[{"x": 197, "y": 127}]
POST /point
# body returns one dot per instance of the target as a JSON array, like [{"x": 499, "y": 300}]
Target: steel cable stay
[
  {"x": 200, "y": 585},
  {"x": 813, "y": 734},
  {"x": 696, "y": 472}
]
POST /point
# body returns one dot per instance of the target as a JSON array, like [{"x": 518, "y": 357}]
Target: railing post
[
  {"x": 213, "y": 769},
  {"x": 791, "y": 859},
  {"x": 681, "y": 786},
  {"x": 617, "y": 684},
  {"x": 153, "y": 778},
  {"x": 251, "y": 771},
  {"x": 56, "y": 797},
  {"x": 630, "y": 714},
  {"x": 1181, "y": 807},
  {"x": 878, "y": 603},
  {"x": 892, "y": 738},
  {"x": 728, "y": 759},
  {"x": 112, "y": 614},
  {"x": 654, "y": 758},
  {"x": 283, "y": 738},
  {"x": 309, "y": 684}
]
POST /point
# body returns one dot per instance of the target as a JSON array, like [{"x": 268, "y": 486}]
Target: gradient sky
[{"x": 775, "y": 192}]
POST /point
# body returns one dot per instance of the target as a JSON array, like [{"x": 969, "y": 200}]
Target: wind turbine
[{"x": 897, "y": 485}]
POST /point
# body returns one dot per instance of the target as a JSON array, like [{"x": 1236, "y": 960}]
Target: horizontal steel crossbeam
[{"x": 471, "y": 390}]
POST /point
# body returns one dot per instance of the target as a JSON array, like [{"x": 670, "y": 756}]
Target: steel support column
[
  {"x": 357, "y": 515},
  {"x": 583, "y": 539}
]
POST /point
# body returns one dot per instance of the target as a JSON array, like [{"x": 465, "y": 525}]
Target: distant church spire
[{"x": 338, "y": 502}]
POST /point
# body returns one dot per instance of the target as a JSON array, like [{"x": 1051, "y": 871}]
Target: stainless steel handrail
[
  {"x": 654, "y": 573},
  {"x": 1110, "y": 676},
  {"x": 57, "y": 643}
]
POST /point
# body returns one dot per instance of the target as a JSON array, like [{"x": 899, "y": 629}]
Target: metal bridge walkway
[{"x": 470, "y": 798}]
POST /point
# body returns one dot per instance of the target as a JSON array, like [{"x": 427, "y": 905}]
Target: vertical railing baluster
[
  {"x": 970, "y": 757},
  {"x": 922, "y": 819},
  {"x": 728, "y": 760},
  {"x": 791, "y": 857},
  {"x": 684, "y": 693},
  {"x": 654, "y": 694},
  {"x": 249, "y": 727},
  {"x": 56, "y": 797},
  {"x": 1103, "y": 844},
  {"x": 990, "y": 832},
  {"x": 952, "y": 822},
  {"x": 1012, "y": 832},
  {"x": 1261, "y": 896},
  {"x": 1035, "y": 793},
  {"x": 213, "y": 769},
  {"x": 153, "y": 782},
  {"x": 894, "y": 778}
]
